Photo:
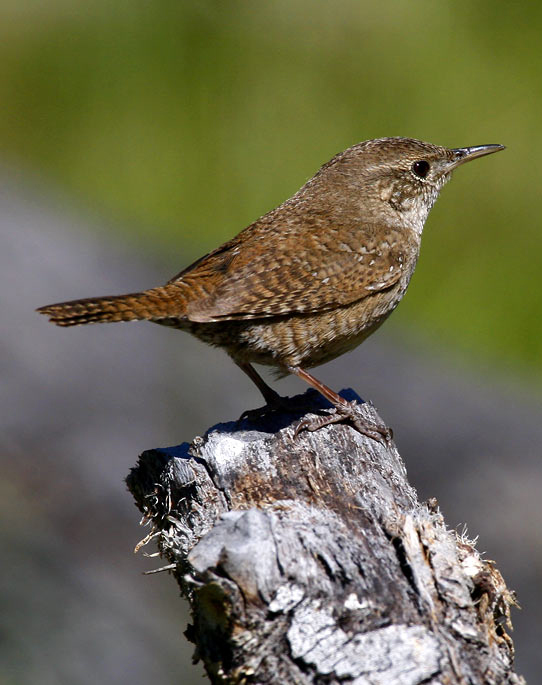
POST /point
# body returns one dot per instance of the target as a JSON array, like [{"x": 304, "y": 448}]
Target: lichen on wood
[{"x": 309, "y": 559}]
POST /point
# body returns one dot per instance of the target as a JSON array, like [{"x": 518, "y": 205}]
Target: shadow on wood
[{"x": 310, "y": 560}]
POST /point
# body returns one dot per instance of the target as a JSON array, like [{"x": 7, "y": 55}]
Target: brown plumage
[{"x": 310, "y": 279}]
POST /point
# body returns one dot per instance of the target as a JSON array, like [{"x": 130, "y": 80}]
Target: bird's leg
[
  {"x": 271, "y": 397},
  {"x": 344, "y": 411},
  {"x": 274, "y": 401}
]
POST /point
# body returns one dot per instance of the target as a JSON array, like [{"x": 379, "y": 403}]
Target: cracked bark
[{"x": 311, "y": 560}]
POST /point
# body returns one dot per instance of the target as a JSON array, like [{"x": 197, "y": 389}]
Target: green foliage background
[{"x": 185, "y": 120}]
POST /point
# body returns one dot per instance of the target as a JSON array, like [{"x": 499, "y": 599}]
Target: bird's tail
[{"x": 159, "y": 303}]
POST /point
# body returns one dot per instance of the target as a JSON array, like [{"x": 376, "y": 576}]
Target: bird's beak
[{"x": 465, "y": 154}]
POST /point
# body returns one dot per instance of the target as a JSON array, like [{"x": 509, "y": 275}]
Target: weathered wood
[{"x": 310, "y": 560}]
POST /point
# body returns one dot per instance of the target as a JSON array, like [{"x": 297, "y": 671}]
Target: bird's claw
[
  {"x": 277, "y": 403},
  {"x": 348, "y": 413}
]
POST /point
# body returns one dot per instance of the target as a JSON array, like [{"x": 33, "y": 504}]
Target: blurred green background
[{"x": 184, "y": 121}]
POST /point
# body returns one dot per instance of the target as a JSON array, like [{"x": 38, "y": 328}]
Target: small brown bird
[{"x": 311, "y": 279}]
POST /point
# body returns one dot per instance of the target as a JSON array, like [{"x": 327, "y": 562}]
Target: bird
[{"x": 309, "y": 280}]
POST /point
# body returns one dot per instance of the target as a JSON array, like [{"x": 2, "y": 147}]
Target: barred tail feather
[{"x": 155, "y": 304}]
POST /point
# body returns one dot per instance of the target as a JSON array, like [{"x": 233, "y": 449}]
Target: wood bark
[{"x": 309, "y": 559}]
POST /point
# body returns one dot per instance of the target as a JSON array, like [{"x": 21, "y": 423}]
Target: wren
[{"x": 311, "y": 279}]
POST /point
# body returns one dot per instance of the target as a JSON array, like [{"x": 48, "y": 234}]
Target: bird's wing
[{"x": 271, "y": 277}]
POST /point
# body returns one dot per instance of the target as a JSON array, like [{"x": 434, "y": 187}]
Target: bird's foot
[
  {"x": 254, "y": 415},
  {"x": 277, "y": 403},
  {"x": 349, "y": 412}
]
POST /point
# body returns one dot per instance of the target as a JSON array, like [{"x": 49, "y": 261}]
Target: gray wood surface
[{"x": 309, "y": 559}]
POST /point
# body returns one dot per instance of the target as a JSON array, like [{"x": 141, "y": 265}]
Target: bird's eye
[{"x": 421, "y": 168}]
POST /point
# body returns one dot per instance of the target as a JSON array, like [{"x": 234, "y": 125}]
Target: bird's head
[{"x": 396, "y": 179}]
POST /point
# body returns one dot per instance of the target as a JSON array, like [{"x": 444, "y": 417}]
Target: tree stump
[{"x": 309, "y": 559}]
